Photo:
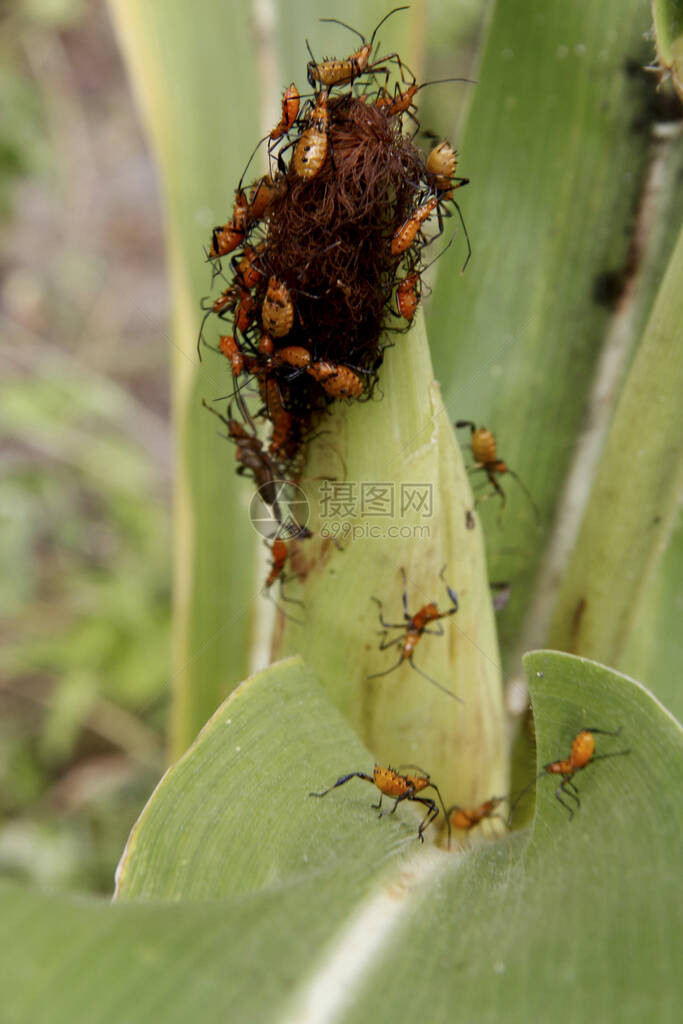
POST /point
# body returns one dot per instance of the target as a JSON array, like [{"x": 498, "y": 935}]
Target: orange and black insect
[
  {"x": 409, "y": 288},
  {"x": 313, "y": 144},
  {"x": 337, "y": 380},
  {"x": 406, "y": 234},
  {"x": 277, "y": 312},
  {"x": 399, "y": 787},
  {"x": 288, "y": 429},
  {"x": 408, "y": 295},
  {"x": 263, "y": 194},
  {"x": 402, "y": 101},
  {"x": 290, "y": 111},
  {"x": 246, "y": 267},
  {"x": 485, "y": 452},
  {"x": 466, "y": 819},
  {"x": 227, "y": 237},
  {"x": 225, "y": 303},
  {"x": 344, "y": 72},
  {"x": 280, "y": 553},
  {"x": 414, "y": 628},
  {"x": 441, "y": 164},
  {"x": 232, "y": 351},
  {"x": 582, "y": 754}
]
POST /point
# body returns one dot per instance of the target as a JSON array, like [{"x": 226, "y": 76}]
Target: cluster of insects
[
  {"x": 408, "y": 786},
  {"x": 322, "y": 256},
  {"x": 321, "y": 260}
]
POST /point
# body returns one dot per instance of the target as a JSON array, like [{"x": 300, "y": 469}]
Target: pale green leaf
[
  {"x": 634, "y": 504},
  {"x": 567, "y": 920},
  {"x": 556, "y": 147},
  {"x": 234, "y": 815}
]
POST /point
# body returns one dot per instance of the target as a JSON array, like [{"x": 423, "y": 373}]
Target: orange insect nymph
[
  {"x": 399, "y": 787},
  {"x": 407, "y": 297},
  {"x": 337, "y": 381},
  {"x": 342, "y": 72},
  {"x": 280, "y": 553},
  {"x": 262, "y": 196},
  {"x": 277, "y": 312},
  {"x": 224, "y": 239},
  {"x": 582, "y": 754},
  {"x": 466, "y": 819},
  {"x": 311, "y": 149},
  {"x": 406, "y": 234},
  {"x": 231, "y": 350},
  {"x": 290, "y": 111},
  {"x": 294, "y": 355},
  {"x": 413, "y": 628},
  {"x": 484, "y": 451}
]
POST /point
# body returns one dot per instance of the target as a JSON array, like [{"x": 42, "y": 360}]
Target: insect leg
[{"x": 345, "y": 778}]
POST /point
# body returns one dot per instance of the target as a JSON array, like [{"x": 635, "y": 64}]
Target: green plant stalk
[
  {"x": 175, "y": 53},
  {"x": 404, "y": 440},
  {"x": 633, "y": 505}
]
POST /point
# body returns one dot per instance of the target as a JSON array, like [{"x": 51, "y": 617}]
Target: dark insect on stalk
[{"x": 485, "y": 452}]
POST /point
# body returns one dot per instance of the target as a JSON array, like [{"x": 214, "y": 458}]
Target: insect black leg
[
  {"x": 406, "y": 614},
  {"x": 601, "y": 757},
  {"x": 562, "y": 788},
  {"x": 537, "y": 514},
  {"x": 387, "y": 625},
  {"x": 386, "y": 644},
  {"x": 345, "y": 778},
  {"x": 451, "y": 593},
  {"x": 497, "y": 489},
  {"x": 433, "y": 681},
  {"x": 376, "y": 675},
  {"x": 432, "y": 813},
  {"x": 605, "y": 732},
  {"x": 437, "y": 631},
  {"x": 463, "y": 181},
  {"x": 443, "y": 808}
]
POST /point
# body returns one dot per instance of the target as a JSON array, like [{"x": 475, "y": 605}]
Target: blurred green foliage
[
  {"x": 84, "y": 539},
  {"x": 84, "y": 504}
]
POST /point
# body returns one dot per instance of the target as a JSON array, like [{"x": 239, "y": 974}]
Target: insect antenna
[{"x": 536, "y": 512}]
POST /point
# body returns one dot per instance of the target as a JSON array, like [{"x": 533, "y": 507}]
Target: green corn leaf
[
  {"x": 561, "y": 921},
  {"x": 556, "y": 147},
  {"x": 635, "y": 502}
]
